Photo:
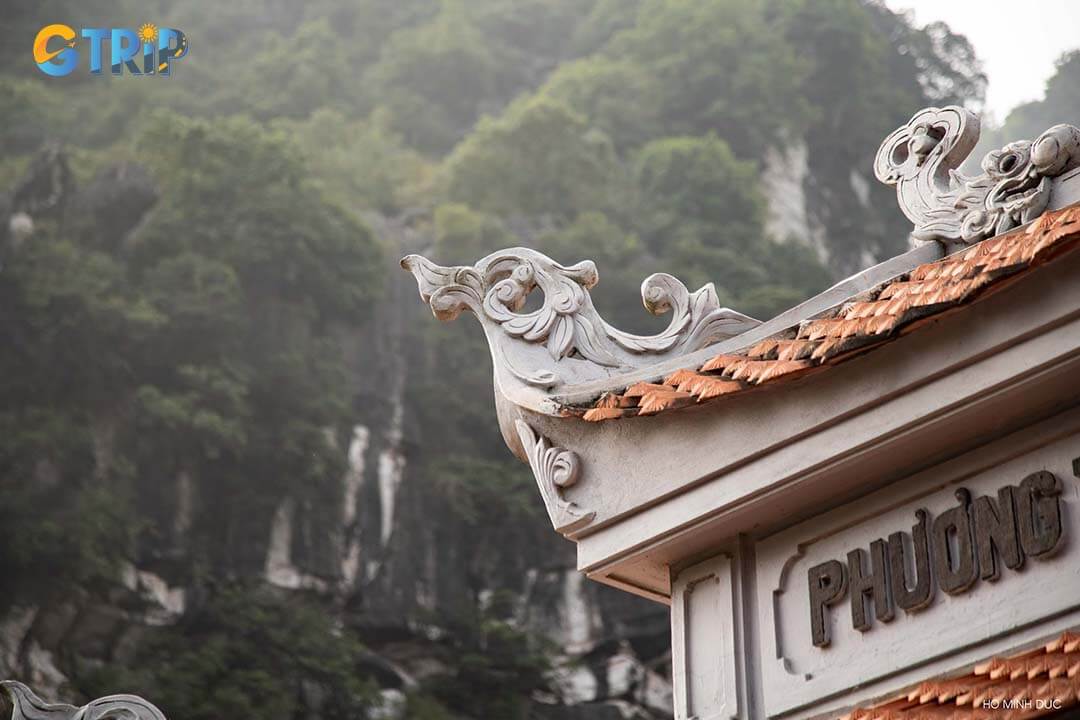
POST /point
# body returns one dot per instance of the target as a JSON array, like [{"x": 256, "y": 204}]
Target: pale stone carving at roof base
[{"x": 555, "y": 469}]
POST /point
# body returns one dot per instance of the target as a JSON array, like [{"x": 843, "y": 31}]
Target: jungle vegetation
[{"x": 196, "y": 296}]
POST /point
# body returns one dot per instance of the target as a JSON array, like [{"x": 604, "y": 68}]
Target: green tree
[
  {"x": 252, "y": 269},
  {"x": 606, "y": 18},
  {"x": 719, "y": 66},
  {"x": 360, "y": 163},
  {"x": 432, "y": 79},
  {"x": 695, "y": 190},
  {"x": 539, "y": 159},
  {"x": 866, "y": 71},
  {"x": 497, "y": 669},
  {"x": 292, "y": 76},
  {"x": 528, "y": 38},
  {"x": 1060, "y": 104},
  {"x": 608, "y": 92},
  {"x": 247, "y": 652},
  {"x": 238, "y": 193},
  {"x": 464, "y": 235}
]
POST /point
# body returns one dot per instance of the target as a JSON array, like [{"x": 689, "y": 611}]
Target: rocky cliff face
[
  {"x": 383, "y": 549},
  {"x": 421, "y": 525},
  {"x": 166, "y": 365}
]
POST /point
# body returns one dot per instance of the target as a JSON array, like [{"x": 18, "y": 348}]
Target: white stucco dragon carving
[
  {"x": 567, "y": 325},
  {"x": 922, "y": 157}
]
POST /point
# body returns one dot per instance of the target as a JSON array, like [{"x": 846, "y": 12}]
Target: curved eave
[
  {"x": 660, "y": 490},
  {"x": 864, "y": 323}
]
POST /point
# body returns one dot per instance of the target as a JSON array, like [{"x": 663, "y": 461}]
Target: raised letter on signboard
[
  {"x": 954, "y": 551},
  {"x": 995, "y": 533},
  {"x": 921, "y": 594},
  {"x": 873, "y": 583},
  {"x": 827, "y": 583}
]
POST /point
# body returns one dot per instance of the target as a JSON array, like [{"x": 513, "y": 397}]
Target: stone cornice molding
[{"x": 922, "y": 159}]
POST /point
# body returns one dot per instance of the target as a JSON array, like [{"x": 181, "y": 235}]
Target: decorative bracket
[
  {"x": 922, "y": 159},
  {"x": 555, "y": 469},
  {"x": 576, "y": 343},
  {"x": 28, "y": 706}
]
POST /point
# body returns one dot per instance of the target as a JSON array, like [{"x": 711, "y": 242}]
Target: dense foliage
[
  {"x": 1061, "y": 102},
  {"x": 246, "y": 652},
  {"x": 199, "y": 301}
]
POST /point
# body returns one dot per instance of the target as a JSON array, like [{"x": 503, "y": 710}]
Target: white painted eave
[{"x": 666, "y": 490}]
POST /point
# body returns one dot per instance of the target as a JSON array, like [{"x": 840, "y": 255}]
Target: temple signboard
[
  {"x": 952, "y": 557},
  {"x": 960, "y": 546}
]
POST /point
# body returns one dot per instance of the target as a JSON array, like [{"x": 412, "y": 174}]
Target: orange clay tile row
[
  {"x": 868, "y": 320},
  {"x": 1032, "y": 684}
]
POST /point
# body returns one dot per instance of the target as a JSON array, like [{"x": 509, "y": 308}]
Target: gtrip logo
[{"x": 57, "y": 46}]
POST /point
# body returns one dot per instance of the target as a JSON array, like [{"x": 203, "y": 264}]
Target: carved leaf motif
[
  {"x": 561, "y": 339},
  {"x": 555, "y": 468},
  {"x": 587, "y": 339},
  {"x": 539, "y": 378},
  {"x": 697, "y": 319},
  {"x": 448, "y": 301}
]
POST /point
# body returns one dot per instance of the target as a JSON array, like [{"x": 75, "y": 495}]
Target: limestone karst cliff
[{"x": 243, "y": 471}]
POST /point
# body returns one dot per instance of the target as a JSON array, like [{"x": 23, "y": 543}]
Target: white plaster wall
[{"x": 703, "y": 642}]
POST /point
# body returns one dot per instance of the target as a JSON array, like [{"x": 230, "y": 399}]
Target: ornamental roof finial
[
  {"x": 922, "y": 159},
  {"x": 565, "y": 340}
]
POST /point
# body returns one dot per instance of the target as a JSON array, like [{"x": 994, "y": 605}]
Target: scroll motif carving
[
  {"x": 28, "y": 706},
  {"x": 922, "y": 159},
  {"x": 555, "y": 469},
  {"x": 567, "y": 324}
]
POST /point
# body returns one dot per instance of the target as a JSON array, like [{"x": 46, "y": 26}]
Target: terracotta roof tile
[
  {"x": 722, "y": 361},
  {"x": 641, "y": 389},
  {"x": 795, "y": 350},
  {"x": 764, "y": 349},
  {"x": 1048, "y": 673},
  {"x": 767, "y": 371},
  {"x": 608, "y": 413},
  {"x": 1069, "y": 642},
  {"x": 677, "y": 378},
  {"x": 704, "y": 387},
  {"x": 865, "y": 322},
  {"x": 659, "y": 400},
  {"x": 612, "y": 400},
  {"x": 833, "y": 347}
]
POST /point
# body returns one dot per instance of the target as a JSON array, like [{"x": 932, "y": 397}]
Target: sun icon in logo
[{"x": 148, "y": 32}]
